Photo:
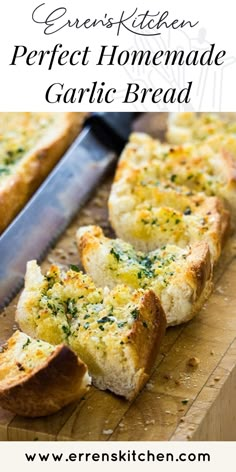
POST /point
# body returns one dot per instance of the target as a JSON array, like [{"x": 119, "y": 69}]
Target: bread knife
[{"x": 59, "y": 198}]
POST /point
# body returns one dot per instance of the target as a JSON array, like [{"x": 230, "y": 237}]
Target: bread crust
[
  {"x": 187, "y": 288},
  {"x": 17, "y": 188},
  {"x": 147, "y": 342},
  {"x": 143, "y": 341},
  {"x": 59, "y": 380}
]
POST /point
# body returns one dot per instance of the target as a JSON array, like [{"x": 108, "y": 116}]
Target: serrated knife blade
[{"x": 57, "y": 201}]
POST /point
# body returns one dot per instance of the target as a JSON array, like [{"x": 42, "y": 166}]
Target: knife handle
[{"x": 113, "y": 129}]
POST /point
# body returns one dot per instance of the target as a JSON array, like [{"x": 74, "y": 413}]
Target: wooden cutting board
[{"x": 179, "y": 402}]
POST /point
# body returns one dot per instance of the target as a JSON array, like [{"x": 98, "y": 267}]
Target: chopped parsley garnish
[
  {"x": 71, "y": 307},
  {"x": 116, "y": 254},
  {"x": 74, "y": 267},
  {"x": 54, "y": 308},
  {"x": 185, "y": 401},
  {"x": 106, "y": 319},
  {"x": 11, "y": 156},
  {"x": 66, "y": 330},
  {"x": 154, "y": 222},
  {"x": 26, "y": 343},
  {"x": 187, "y": 211},
  {"x": 50, "y": 280},
  {"x": 135, "y": 313},
  {"x": 4, "y": 170},
  {"x": 145, "y": 268},
  {"x": 121, "y": 324}
]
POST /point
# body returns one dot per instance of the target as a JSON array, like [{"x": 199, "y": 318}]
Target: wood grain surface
[{"x": 180, "y": 402}]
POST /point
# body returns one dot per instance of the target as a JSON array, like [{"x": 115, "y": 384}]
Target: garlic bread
[
  {"x": 193, "y": 127},
  {"x": 37, "y": 379},
  {"x": 181, "y": 278},
  {"x": 30, "y": 145},
  {"x": 116, "y": 333},
  {"x": 149, "y": 205}
]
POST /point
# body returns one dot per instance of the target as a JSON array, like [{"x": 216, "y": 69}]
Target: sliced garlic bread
[
  {"x": 30, "y": 145},
  {"x": 37, "y": 379},
  {"x": 116, "y": 333},
  {"x": 205, "y": 159},
  {"x": 181, "y": 278},
  {"x": 193, "y": 127},
  {"x": 149, "y": 207}
]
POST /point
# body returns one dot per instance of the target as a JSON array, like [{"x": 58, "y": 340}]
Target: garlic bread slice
[
  {"x": 180, "y": 277},
  {"x": 149, "y": 205},
  {"x": 193, "y": 127},
  {"x": 116, "y": 333},
  {"x": 31, "y": 144},
  {"x": 37, "y": 379}
]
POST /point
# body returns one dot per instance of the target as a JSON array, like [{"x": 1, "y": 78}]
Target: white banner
[
  {"x": 104, "y": 456},
  {"x": 117, "y": 56}
]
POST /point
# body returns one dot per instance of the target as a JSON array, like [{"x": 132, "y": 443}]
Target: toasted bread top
[
  {"x": 21, "y": 134},
  {"x": 62, "y": 305},
  {"x": 20, "y": 356},
  {"x": 189, "y": 126},
  {"x": 197, "y": 165},
  {"x": 206, "y": 155},
  {"x": 30, "y": 145},
  {"x": 118, "y": 260},
  {"x": 184, "y": 273},
  {"x": 150, "y": 204}
]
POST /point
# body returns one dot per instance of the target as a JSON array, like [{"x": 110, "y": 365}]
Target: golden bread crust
[{"x": 147, "y": 342}]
